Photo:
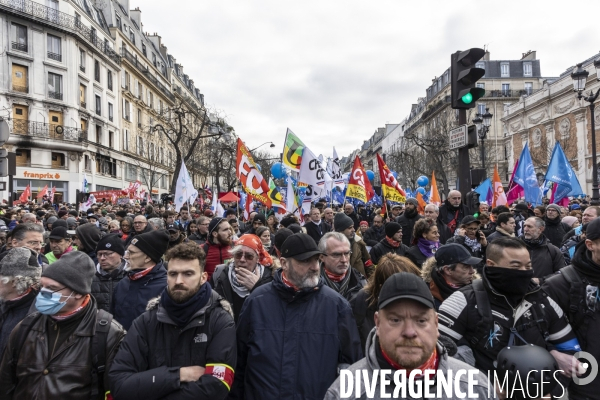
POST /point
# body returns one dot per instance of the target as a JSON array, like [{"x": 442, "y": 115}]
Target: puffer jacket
[
  {"x": 11, "y": 313},
  {"x": 291, "y": 343},
  {"x": 66, "y": 376},
  {"x": 131, "y": 297},
  {"x": 104, "y": 284},
  {"x": 384, "y": 247},
  {"x": 216, "y": 254},
  {"x": 555, "y": 230},
  {"x": 147, "y": 364},
  {"x": 446, "y": 365}
]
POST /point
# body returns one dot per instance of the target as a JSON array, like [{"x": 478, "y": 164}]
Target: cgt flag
[
  {"x": 389, "y": 185},
  {"x": 249, "y": 175},
  {"x": 292, "y": 151},
  {"x": 359, "y": 187}
]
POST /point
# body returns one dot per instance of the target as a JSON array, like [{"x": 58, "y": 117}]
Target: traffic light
[{"x": 464, "y": 75}]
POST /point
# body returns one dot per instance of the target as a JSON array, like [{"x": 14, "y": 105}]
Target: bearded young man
[{"x": 183, "y": 346}]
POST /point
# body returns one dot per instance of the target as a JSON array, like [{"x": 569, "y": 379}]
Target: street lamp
[
  {"x": 483, "y": 122},
  {"x": 271, "y": 146},
  {"x": 580, "y": 76}
]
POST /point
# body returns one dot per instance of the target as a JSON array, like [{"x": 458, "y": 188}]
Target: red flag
[
  {"x": 250, "y": 176},
  {"x": 390, "y": 188},
  {"x": 43, "y": 192},
  {"x": 25, "y": 195},
  {"x": 247, "y": 207},
  {"x": 52, "y": 195},
  {"x": 359, "y": 186}
]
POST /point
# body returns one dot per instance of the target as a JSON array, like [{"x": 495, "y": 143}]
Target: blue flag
[
  {"x": 525, "y": 177},
  {"x": 561, "y": 172},
  {"x": 485, "y": 191}
]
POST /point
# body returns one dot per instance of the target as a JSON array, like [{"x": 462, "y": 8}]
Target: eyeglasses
[
  {"x": 247, "y": 256},
  {"x": 105, "y": 255},
  {"x": 47, "y": 293},
  {"x": 33, "y": 243},
  {"x": 472, "y": 229},
  {"x": 337, "y": 256}
]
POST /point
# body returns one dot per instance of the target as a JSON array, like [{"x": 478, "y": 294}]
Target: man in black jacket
[
  {"x": 376, "y": 233},
  {"x": 408, "y": 220},
  {"x": 349, "y": 211},
  {"x": 453, "y": 211},
  {"x": 433, "y": 212},
  {"x": 555, "y": 228},
  {"x": 575, "y": 290},
  {"x": 391, "y": 244},
  {"x": 505, "y": 227},
  {"x": 183, "y": 347},
  {"x": 109, "y": 270},
  {"x": 315, "y": 227},
  {"x": 546, "y": 258},
  {"x": 335, "y": 265}
]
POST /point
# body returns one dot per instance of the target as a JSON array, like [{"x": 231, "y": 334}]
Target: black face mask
[{"x": 509, "y": 281}]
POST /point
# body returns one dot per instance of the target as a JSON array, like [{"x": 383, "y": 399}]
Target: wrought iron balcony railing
[
  {"x": 19, "y": 46},
  {"x": 40, "y": 13},
  {"x": 146, "y": 71},
  {"x": 40, "y": 129},
  {"x": 54, "y": 56},
  {"x": 55, "y": 95},
  {"x": 82, "y": 68}
]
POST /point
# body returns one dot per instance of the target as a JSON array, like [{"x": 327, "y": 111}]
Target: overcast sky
[{"x": 334, "y": 71}]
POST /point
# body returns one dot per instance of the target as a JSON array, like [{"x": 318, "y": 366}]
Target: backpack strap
[
  {"x": 216, "y": 276},
  {"x": 24, "y": 327},
  {"x": 103, "y": 323},
  {"x": 485, "y": 312}
]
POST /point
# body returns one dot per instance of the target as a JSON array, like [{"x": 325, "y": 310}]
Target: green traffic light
[{"x": 467, "y": 98}]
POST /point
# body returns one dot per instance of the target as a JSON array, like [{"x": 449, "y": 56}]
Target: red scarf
[
  {"x": 452, "y": 285},
  {"x": 68, "y": 250},
  {"x": 335, "y": 277},
  {"x": 392, "y": 242},
  {"x": 288, "y": 283},
  {"x": 86, "y": 300},
  {"x": 21, "y": 296},
  {"x": 141, "y": 274},
  {"x": 431, "y": 364}
]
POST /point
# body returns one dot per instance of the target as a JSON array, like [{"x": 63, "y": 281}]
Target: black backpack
[
  {"x": 579, "y": 314},
  {"x": 103, "y": 322}
]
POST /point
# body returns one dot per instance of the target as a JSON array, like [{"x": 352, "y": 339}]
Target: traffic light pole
[{"x": 464, "y": 170}]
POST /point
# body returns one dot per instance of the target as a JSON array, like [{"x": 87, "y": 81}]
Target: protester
[
  {"x": 30, "y": 236},
  {"x": 408, "y": 220},
  {"x": 190, "y": 317},
  {"x": 349, "y": 212},
  {"x": 110, "y": 269},
  {"x": 140, "y": 226},
  {"x": 360, "y": 258},
  {"x": 364, "y": 304},
  {"x": 376, "y": 233},
  {"x": 432, "y": 212},
  {"x": 336, "y": 271},
  {"x": 505, "y": 227},
  {"x": 156, "y": 223},
  {"x": 555, "y": 228},
  {"x": 60, "y": 244},
  {"x": 426, "y": 241},
  {"x": 86, "y": 239},
  {"x": 392, "y": 243},
  {"x": 265, "y": 236},
  {"x": 185, "y": 218},
  {"x": 471, "y": 237},
  {"x": 146, "y": 276},
  {"x": 452, "y": 211},
  {"x": 175, "y": 235},
  {"x": 399, "y": 342},
  {"x": 218, "y": 245},
  {"x": 546, "y": 258},
  {"x": 126, "y": 224},
  {"x": 51, "y": 354},
  {"x": 589, "y": 214},
  {"x": 363, "y": 226},
  {"x": 282, "y": 351}
]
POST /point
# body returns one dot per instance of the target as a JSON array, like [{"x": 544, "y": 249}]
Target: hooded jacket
[
  {"x": 291, "y": 343},
  {"x": 546, "y": 258},
  {"x": 555, "y": 230},
  {"x": 131, "y": 297},
  {"x": 89, "y": 235},
  {"x": 384, "y": 247},
  {"x": 446, "y": 364},
  {"x": 360, "y": 258},
  {"x": 104, "y": 284},
  {"x": 147, "y": 365},
  {"x": 373, "y": 236},
  {"x": 216, "y": 254}
]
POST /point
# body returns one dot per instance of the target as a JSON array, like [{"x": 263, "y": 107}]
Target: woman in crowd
[
  {"x": 472, "y": 238},
  {"x": 192, "y": 232},
  {"x": 126, "y": 225},
  {"x": 272, "y": 223},
  {"x": 114, "y": 227},
  {"x": 426, "y": 240},
  {"x": 265, "y": 237}
]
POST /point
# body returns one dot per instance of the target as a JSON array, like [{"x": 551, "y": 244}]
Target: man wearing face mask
[
  {"x": 51, "y": 355},
  {"x": 485, "y": 312}
]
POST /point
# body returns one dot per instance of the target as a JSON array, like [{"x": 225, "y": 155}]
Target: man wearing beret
[
  {"x": 110, "y": 269},
  {"x": 147, "y": 276},
  {"x": 49, "y": 354}
]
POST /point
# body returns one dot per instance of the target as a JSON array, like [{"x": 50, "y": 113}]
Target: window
[
  {"x": 87, "y": 163},
  {"x": 481, "y": 65},
  {"x": 527, "y": 69},
  {"x": 98, "y": 105},
  {"x": 140, "y": 90},
  {"x": 481, "y": 108},
  {"x": 19, "y": 78},
  {"x": 109, "y": 80},
  {"x": 82, "y": 60},
  {"x": 97, "y": 70},
  {"x": 528, "y": 88},
  {"x": 119, "y": 23},
  {"x": 504, "y": 70},
  {"x": 160, "y": 106},
  {"x": 162, "y": 155},
  {"x": 98, "y": 134},
  {"x": 126, "y": 139},
  {"x": 19, "y": 37},
  {"x": 111, "y": 139},
  {"x": 140, "y": 146},
  {"x": 132, "y": 36},
  {"x": 54, "y": 51},
  {"x": 55, "y": 86},
  {"x": 151, "y": 151},
  {"x": 82, "y": 90},
  {"x": 139, "y": 117},
  {"x": 154, "y": 59},
  {"x": 144, "y": 50},
  {"x": 93, "y": 36},
  {"x": 110, "y": 112},
  {"x": 77, "y": 20},
  {"x": 126, "y": 108},
  {"x": 506, "y": 89},
  {"x": 125, "y": 80}
]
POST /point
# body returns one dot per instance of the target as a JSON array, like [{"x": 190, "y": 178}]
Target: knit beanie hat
[
  {"x": 121, "y": 213},
  {"x": 111, "y": 242},
  {"x": 75, "y": 270},
  {"x": 153, "y": 244},
  {"x": 593, "y": 229},
  {"x": 62, "y": 213},
  {"x": 212, "y": 225},
  {"x": 71, "y": 222},
  {"x": 391, "y": 228},
  {"x": 413, "y": 201},
  {"x": 555, "y": 207},
  {"x": 51, "y": 220},
  {"x": 20, "y": 261},
  {"x": 260, "y": 217},
  {"x": 341, "y": 222}
]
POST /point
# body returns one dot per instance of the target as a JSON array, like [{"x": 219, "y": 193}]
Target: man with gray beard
[{"x": 294, "y": 332}]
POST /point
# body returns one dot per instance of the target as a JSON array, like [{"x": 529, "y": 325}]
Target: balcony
[
  {"x": 83, "y": 104},
  {"x": 82, "y": 68},
  {"x": 144, "y": 70},
  {"x": 40, "y": 129},
  {"x": 506, "y": 93},
  {"x": 56, "y": 19},
  {"x": 55, "y": 56},
  {"x": 22, "y": 89},
  {"x": 55, "y": 95},
  {"x": 19, "y": 46}
]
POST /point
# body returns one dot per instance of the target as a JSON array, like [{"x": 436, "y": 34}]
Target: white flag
[
  {"x": 313, "y": 174},
  {"x": 336, "y": 171},
  {"x": 218, "y": 209},
  {"x": 184, "y": 189}
]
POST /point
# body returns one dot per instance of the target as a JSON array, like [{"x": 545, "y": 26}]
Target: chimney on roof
[{"x": 530, "y": 55}]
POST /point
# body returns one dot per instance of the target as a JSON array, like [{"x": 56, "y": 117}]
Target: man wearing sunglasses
[
  {"x": 335, "y": 265},
  {"x": 50, "y": 354}
]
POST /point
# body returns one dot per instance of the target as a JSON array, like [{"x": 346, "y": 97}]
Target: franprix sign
[{"x": 458, "y": 137}]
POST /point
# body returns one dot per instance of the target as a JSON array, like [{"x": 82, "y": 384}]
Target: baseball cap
[
  {"x": 469, "y": 219},
  {"x": 299, "y": 246},
  {"x": 172, "y": 228},
  {"x": 453, "y": 253},
  {"x": 404, "y": 285}
]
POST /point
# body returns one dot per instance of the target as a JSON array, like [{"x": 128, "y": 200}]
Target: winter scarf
[
  {"x": 237, "y": 287},
  {"x": 181, "y": 313},
  {"x": 342, "y": 286},
  {"x": 473, "y": 244},
  {"x": 445, "y": 289},
  {"x": 583, "y": 263},
  {"x": 534, "y": 242},
  {"x": 392, "y": 242},
  {"x": 427, "y": 247}
]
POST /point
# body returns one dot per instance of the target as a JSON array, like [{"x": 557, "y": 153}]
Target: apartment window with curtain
[
  {"x": 98, "y": 105},
  {"x": 54, "y": 48},
  {"x": 109, "y": 82},
  {"x": 506, "y": 89},
  {"x": 19, "y": 37},
  {"x": 55, "y": 86},
  {"x": 504, "y": 70},
  {"x": 82, "y": 60},
  {"x": 97, "y": 70},
  {"x": 110, "y": 112},
  {"x": 126, "y": 107},
  {"x": 528, "y": 87}
]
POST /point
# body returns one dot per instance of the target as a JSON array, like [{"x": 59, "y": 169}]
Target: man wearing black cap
[
  {"x": 110, "y": 269},
  {"x": 62, "y": 351},
  {"x": 406, "y": 338},
  {"x": 575, "y": 290},
  {"x": 175, "y": 235},
  {"x": 451, "y": 268},
  {"x": 218, "y": 244},
  {"x": 408, "y": 220},
  {"x": 360, "y": 258},
  {"x": 392, "y": 243},
  {"x": 506, "y": 304},
  {"x": 146, "y": 279},
  {"x": 60, "y": 243},
  {"x": 293, "y": 332}
]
